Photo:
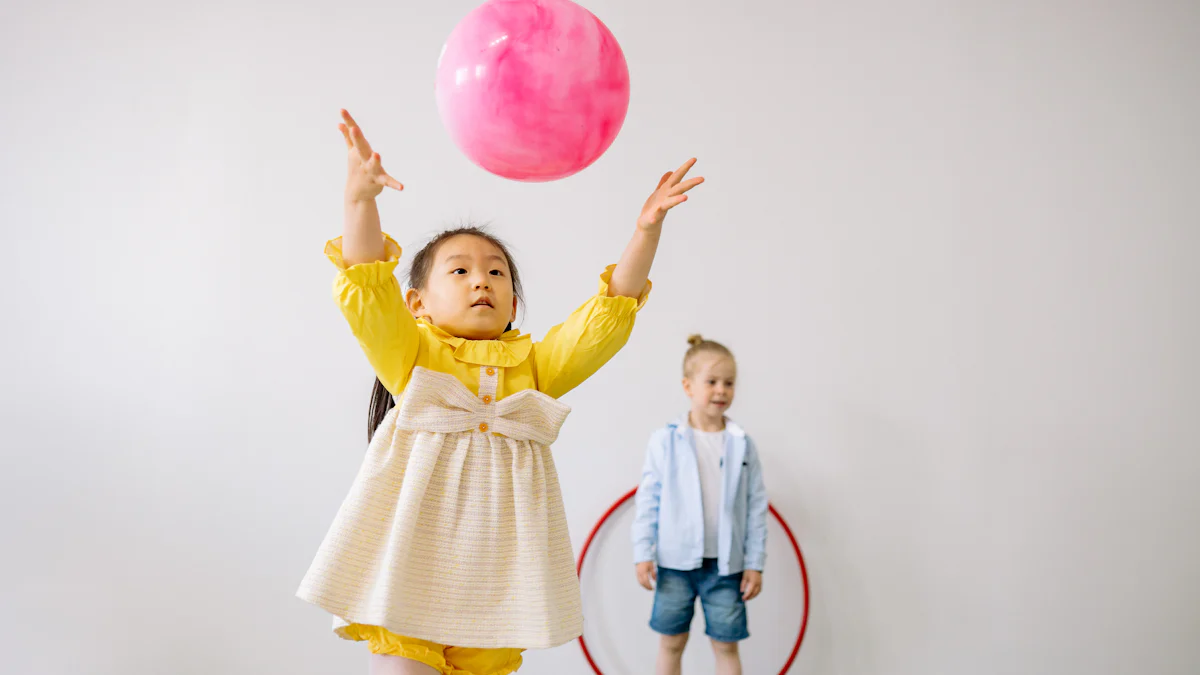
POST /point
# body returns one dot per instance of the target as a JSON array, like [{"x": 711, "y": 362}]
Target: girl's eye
[
  {"x": 712, "y": 381},
  {"x": 459, "y": 271},
  {"x": 497, "y": 273}
]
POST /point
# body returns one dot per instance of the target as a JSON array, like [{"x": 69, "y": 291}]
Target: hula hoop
[{"x": 786, "y": 530}]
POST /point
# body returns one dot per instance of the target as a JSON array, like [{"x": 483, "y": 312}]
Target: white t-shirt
[{"x": 710, "y": 450}]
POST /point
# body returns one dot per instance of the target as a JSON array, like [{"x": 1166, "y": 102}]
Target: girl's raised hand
[
  {"x": 671, "y": 192},
  {"x": 365, "y": 177}
]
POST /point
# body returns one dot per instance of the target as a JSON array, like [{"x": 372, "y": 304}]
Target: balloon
[{"x": 532, "y": 90}]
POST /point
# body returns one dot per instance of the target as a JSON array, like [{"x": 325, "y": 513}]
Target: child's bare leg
[
  {"x": 670, "y": 654},
  {"x": 728, "y": 660},
  {"x": 381, "y": 664}
]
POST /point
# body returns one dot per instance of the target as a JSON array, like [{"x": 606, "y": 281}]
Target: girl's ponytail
[{"x": 381, "y": 403}]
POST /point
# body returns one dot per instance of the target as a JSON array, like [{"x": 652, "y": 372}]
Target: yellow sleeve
[
  {"x": 575, "y": 349},
  {"x": 372, "y": 302}
]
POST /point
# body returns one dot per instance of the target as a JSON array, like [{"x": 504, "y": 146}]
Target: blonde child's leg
[
  {"x": 729, "y": 662},
  {"x": 670, "y": 654},
  {"x": 724, "y": 616},
  {"x": 382, "y": 664}
]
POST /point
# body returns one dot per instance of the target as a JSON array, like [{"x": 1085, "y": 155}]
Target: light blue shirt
[{"x": 669, "y": 526}]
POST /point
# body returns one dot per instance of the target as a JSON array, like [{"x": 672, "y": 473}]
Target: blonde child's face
[
  {"x": 469, "y": 291},
  {"x": 711, "y": 384}
]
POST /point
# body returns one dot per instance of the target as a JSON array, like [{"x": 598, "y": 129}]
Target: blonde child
[
  {"x": 701, "y": 529},
  {"x": 451, "y": 553}
]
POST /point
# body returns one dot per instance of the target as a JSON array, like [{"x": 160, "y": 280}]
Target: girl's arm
[
  {"x": 575, "y": 349},
  {"x": 362, "y": 238},
  {"x": 366, "y": 288},
  {"x": 629, "y": 278}
]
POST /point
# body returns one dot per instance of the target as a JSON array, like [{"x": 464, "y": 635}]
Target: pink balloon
[{"x": 532, "y": 90}]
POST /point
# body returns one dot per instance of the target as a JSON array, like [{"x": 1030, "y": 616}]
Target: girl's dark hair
[{"x": 418, "y": 274}]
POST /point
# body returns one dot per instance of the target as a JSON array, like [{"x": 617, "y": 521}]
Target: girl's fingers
[
  {"x": 663, "y": 180},
  {"x": 361, "y": 144},
  {"x": 376, "y": 171},
  {"x": 355, "y": 135},
  {"x": 392, "y": 182},
  {"x": 682, "y": 171},
  {"x": 372, "y": 162},
  {"x": 686, "y": 185},
  {"x": 673, "y": 202}
]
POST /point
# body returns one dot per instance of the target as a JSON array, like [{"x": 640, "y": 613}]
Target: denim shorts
[{"x": 720, "y": 598}]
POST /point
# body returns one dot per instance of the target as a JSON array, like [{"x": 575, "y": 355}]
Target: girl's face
[
  {"x": 469, "y": 291},
  {"x": 710, "y": 386}
]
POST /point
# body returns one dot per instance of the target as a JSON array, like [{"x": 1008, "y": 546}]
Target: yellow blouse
[{"x": 372, "y": 301}]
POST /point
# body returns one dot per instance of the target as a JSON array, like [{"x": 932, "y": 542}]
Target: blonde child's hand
[
  {"x": 668, "y": 195},
  {"x": 751, "y": 584},
  {"x": 365, "y": 178},
  {"x": 646, "y": 574}
]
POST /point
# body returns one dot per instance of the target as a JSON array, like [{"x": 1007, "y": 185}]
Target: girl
[
  {"x": 701, "y": 524},
  {"x": 451, "y": 553}
]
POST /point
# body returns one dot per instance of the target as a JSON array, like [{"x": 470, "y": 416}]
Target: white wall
[{"x": 952, "y": 245}]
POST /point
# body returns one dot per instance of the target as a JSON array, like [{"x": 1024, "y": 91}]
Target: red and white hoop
[{"x": 782, "y": 523}]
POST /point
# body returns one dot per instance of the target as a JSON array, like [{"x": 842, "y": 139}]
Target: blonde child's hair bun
[{"x": 699, "y": 344}]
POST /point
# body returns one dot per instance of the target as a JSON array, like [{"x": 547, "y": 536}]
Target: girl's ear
[{"x": 412, "y": 299}]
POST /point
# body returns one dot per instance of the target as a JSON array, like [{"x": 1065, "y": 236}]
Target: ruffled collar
[{"x": 506, "y": 351}]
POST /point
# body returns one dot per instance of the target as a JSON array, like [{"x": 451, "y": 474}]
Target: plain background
[{"x": 951, "y": 243}]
